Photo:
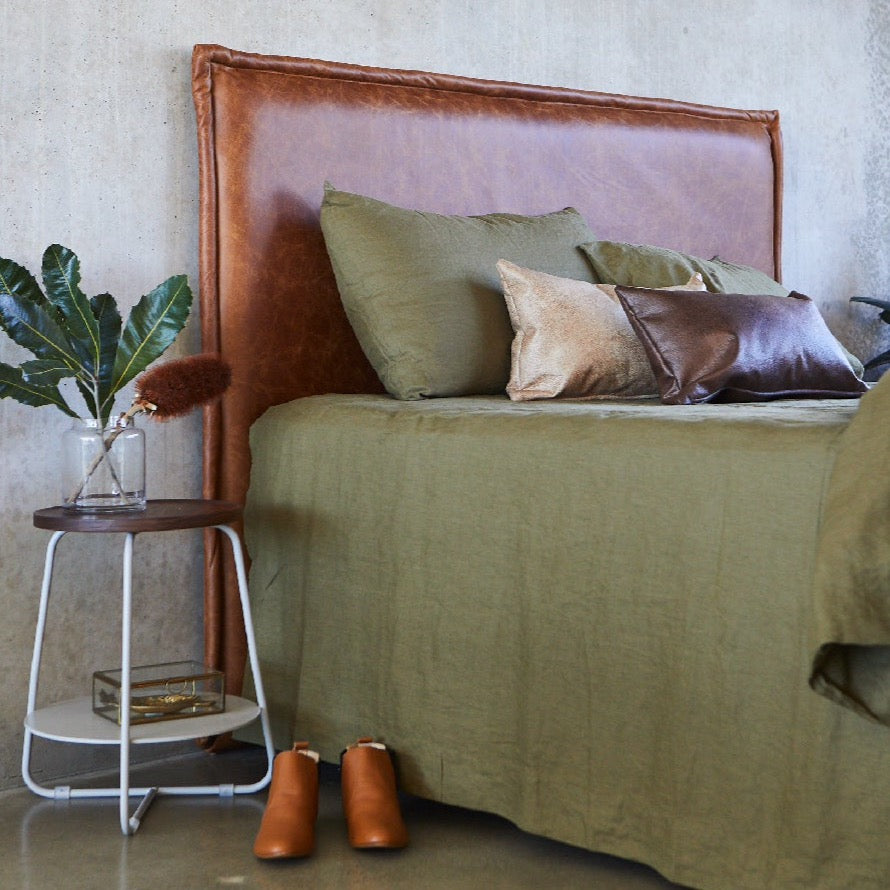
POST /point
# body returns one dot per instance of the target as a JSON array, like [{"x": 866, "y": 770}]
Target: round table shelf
[
  {"x": 158, "y": 516},
  {"x": 75, "y": 721}
]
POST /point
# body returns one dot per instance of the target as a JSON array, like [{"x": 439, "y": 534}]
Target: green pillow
[
  {"x": 422, "y": 291},
  {"x": 642, "y": 265}
]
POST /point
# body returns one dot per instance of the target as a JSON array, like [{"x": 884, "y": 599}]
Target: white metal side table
[{"x": 74, "y": 721}]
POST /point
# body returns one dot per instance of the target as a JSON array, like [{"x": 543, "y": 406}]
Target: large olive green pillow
[
  {"x": 643, "y": 265},
  {"x": 422, "y": 290}
]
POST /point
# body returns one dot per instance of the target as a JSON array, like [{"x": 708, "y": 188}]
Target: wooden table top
[{"x": 158, "y": 516}]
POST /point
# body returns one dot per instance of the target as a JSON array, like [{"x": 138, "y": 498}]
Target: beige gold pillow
[{"x": 572, "y": 339}]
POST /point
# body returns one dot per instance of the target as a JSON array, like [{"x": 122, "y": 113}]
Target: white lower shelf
[{"x": 74, "y": 721}]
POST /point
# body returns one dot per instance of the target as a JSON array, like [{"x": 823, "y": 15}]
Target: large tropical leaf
[
  {"x": 152, "y": 326},
  {"x": 31, "y": 326},
  {"x": 61, "y": 278},
  {"x": 108, "y": 318},
  {"x": 13, "y": 385},
  {"x": 16, "y": 279},
  {"x": 45, "y": 371}
]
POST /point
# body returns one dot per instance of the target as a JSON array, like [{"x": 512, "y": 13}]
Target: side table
[{"x": 75, "y": 722}]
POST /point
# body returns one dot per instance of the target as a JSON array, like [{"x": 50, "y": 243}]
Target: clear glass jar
[{"x": 103, "y": 471}]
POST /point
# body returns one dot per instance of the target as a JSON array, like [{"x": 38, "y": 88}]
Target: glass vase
[{"x": 103, "y": 470}]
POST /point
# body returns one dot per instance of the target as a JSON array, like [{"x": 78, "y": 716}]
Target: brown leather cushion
[{"x": 737, "y": 347}]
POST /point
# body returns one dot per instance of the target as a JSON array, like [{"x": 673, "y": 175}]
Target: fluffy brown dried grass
[{"x": 179, "y": 386}]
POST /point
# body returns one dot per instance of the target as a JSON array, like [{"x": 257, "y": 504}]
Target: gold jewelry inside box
[{"x": 160, "y": 692}]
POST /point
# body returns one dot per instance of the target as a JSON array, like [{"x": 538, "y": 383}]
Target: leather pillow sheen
[
  {"x": 572, "y": 338},
  {"x": 738, "y": 347},
  {"x": 644, "y": 265},
  {"x": 421, "y": 290}
]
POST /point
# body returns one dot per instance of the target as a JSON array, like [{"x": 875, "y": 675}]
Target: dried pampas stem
[{"x": 175, "y": 388}]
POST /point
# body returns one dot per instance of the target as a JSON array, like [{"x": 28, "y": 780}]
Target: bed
[{"x": 654, "y": 630}]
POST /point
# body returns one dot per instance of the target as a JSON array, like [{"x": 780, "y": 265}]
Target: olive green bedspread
[{"x": 597, "y": 620}]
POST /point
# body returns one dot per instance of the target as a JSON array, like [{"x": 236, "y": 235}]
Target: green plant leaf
[
  {"x": 61, "y": 278},
  {"x": 13, "y": 385},
  {"x": 31, "y": 326},
  {"x": 16, "y": 279},
  {"x": 152, "y": 326},
  {"x": 108, "y": 318},
  {"x": 45, "y": 371}
]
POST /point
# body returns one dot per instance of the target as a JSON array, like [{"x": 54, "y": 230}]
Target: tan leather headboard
[{"x": 272, "y": 129}]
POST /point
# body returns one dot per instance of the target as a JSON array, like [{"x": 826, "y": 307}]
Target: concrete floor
[{"x": 197, "y": 843}]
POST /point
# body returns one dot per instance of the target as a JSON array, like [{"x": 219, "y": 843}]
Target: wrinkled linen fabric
[
  {"x": 594, "y": 619},
  {"x": 852, "y": 659}
]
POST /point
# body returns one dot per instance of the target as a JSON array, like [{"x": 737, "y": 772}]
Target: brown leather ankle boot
[
  {"x": 288, "y": 826},
  {"x": 370, "y": 802}
]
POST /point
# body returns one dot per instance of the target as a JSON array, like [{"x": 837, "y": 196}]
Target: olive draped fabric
[{"x": 597, "y": 620}]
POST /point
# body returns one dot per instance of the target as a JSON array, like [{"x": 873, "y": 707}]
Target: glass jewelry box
[{"x": 168, "y": 691}]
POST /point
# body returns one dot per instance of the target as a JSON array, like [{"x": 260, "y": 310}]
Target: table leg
[
  {"x": 253, "y": 658},
  {"x": 35, "y": 663},
  {"x": 126, "y": 630}
]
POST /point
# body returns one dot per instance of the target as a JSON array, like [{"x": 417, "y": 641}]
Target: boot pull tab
[{"x": 303, "y": 748}]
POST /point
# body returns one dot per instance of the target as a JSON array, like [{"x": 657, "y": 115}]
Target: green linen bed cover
[{"x": 597, "y": 619}]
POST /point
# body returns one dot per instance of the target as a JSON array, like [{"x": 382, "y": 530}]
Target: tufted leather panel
[{"x": 272, "y": 129}]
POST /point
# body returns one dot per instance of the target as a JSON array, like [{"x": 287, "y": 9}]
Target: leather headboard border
[{"x": 286, "y": 345}]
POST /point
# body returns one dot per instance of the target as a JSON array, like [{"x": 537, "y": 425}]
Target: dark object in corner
[{"x": 884, "y": 306}]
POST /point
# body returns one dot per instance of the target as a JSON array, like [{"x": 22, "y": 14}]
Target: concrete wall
[{"x": 97, "y": 152}]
